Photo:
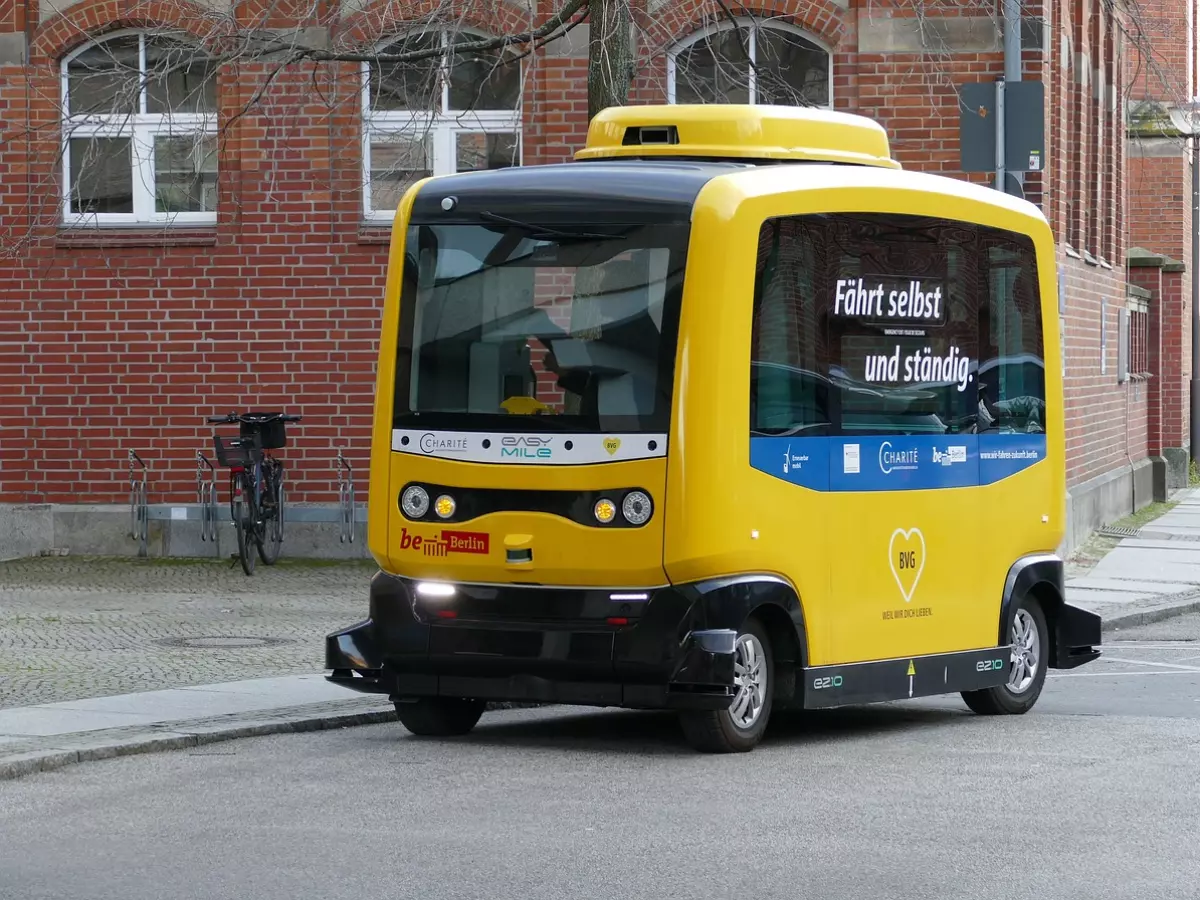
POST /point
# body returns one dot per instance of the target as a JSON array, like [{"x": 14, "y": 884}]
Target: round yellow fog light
[
  {"x": 605, "y": 510},
  {"x": 444, "y": 506}
]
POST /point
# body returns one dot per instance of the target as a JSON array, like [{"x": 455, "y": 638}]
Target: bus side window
[
  {"x": 788, "y": 396},
  {"x": 1012, "y": 367},
  {"x": 880, "y": 324}
]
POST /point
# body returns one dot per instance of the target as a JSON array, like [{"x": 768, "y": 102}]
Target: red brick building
[
  {"x": 175, "y": 243},
  {"x": 1161, "y": 228}
]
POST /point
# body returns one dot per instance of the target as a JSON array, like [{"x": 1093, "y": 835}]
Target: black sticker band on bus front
[{"x": 891, "y": 301}]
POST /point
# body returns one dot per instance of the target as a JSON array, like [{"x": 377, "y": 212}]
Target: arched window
[
  {"x": 445, "y": 113},
  {"x": 750, "y": 61},
  {"x": 139, "y": 135}
]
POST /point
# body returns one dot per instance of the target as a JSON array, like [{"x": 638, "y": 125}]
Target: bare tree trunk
[{"x": 610, "y": 55}]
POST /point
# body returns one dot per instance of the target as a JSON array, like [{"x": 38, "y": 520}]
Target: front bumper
[{"x": 542, "y": 645}]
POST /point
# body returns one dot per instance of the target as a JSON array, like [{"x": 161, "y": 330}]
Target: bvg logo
[
  {"x": 906, "y": 555},
  {"x": 529, "y": 447}
]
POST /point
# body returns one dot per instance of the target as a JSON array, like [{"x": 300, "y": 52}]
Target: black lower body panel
[
  {"x": 595, "y": 651},
  {"x": 905, "y": 677},
  {"x": 665, "y": 648}
]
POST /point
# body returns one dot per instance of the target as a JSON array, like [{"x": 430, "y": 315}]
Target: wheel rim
[
  {"x": 750, "y": 680},
  {"x": 1026, "y": 652}
]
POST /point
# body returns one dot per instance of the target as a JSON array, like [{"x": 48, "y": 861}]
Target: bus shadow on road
[{"x": 658, "y": 733}]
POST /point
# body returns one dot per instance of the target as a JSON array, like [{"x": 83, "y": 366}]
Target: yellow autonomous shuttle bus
[{"x": 730, "y": 414}]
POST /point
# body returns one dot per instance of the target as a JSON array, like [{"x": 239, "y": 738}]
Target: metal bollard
[
  {"x": 346, "y": 515},
  {"x": 139, "y": 507},
  {"x": 206, "y": 490}
]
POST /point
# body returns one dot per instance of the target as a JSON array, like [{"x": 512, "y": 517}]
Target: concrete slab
[
  {"x": 1148, "y": 543},
  {"x": 1150, "y": 563},
  {"x": 171, "y": 705},
  {"x": 1172, "y": 572},
  {"x": 46, "y": 721},
  {"x": 157, "y": 707},
  {"x": 1091, "y": 598},
  {"x": 1144, "y": 585},
  {"x": 291, "y": 690}
]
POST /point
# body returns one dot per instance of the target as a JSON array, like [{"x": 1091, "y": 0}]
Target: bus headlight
[
  {"x": 414, "y": 501},
  {"x": 445, "y": 506},
  {"x": 636, "y": 508},
  {"x": 604, "y": 510}
]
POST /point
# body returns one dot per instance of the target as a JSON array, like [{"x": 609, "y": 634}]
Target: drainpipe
[
  {"x": 1195, "y": 276},
  {"x": 1012, "y": 57}
]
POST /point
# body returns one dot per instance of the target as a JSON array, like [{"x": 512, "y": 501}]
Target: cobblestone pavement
[{"x": 73, "y": 627}]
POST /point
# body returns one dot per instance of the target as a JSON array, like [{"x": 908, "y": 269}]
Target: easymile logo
[{"x": 526, "y": 447}]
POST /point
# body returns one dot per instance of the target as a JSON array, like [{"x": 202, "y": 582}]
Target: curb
[
  {"x": 1178, "y": 607},
  {"x": 180, "y": 736},
  {"x": 68, "y": 749}
]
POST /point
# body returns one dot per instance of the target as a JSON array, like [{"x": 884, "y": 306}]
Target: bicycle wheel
[
  {"x": 271, "y": 534},
  {"x": 241, "y": 506}
]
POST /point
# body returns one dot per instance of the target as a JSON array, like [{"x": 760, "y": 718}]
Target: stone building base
[{"x": 311, "y": 532}]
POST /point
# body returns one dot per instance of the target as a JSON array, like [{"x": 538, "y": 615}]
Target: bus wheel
[
  {"x": 740, "y": 727},
  {"x": 1027, "y": 669},
  {"x": 439, "y": 716}
]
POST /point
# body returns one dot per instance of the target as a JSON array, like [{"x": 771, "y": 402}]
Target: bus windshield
[{"x": 510, "y": 326}]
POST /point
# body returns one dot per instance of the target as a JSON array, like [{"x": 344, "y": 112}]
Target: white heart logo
[{"x": 909, "y": 562}]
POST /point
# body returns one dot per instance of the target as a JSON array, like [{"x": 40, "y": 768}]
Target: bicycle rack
[
  {"x": 206, "y": 489},
  {"x": 346, "y": 523},
  {"x": 139, "y": 507}
]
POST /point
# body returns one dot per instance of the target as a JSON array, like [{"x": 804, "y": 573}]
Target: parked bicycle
[{"x": 256, "y": 499}]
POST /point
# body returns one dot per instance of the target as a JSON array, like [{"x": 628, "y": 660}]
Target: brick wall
[
  {"x": 1160, "y": 206},
  {"x": 1106, "y": 427},
  {"x": 1159, "y": 52},
  {"x": 125, "y": 339}
]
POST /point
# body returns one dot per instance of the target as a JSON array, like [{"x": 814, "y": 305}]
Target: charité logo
[
  {"x": 436, "y": 443},
  {"x": 895, "y": 460},
  {"x": 446, "y": 543}
]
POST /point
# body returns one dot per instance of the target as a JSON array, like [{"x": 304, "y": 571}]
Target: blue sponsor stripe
[
  {"x": 896, "y": 462},
  {"x": 1002, "y": 455}
]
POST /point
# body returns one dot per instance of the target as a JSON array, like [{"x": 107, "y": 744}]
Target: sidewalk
[
  {"x": 52, "y": 735},
  {"x": 230, "y": 656},
  {"x": 1145, "y": 572}
]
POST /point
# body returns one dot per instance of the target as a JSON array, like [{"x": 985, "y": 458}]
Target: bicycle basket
[
  {"x": 271, "y": 435},
  {"x": 235, "y": 451}
]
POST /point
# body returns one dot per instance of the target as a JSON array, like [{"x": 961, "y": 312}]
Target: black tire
[
  {"x": 440, "y": 716},
  {"x": 718, "y": 731},
  {"x": 242, "y": 512},
  {"x": 1007, "y": 699},
  {"x": 272, "y": 530}
]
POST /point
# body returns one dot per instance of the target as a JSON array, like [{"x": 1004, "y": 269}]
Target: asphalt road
[{"x": 1094, "y": 794}]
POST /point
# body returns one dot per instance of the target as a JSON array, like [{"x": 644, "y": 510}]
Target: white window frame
[
  {"x": 753, "y": 25},
  {"x": 441, "y": 127},
  {"x": 141, "y": 128}
]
